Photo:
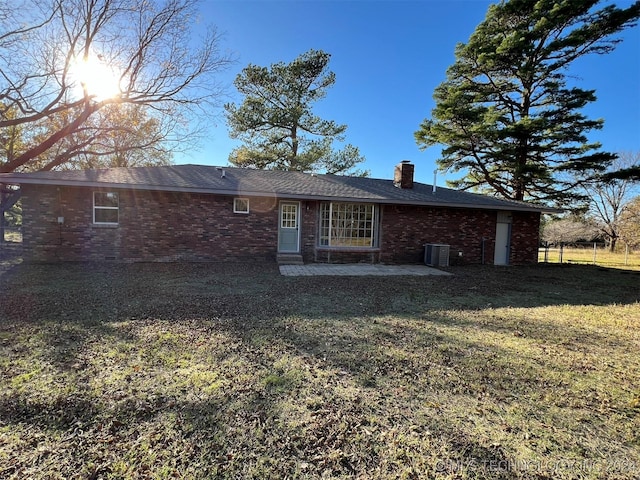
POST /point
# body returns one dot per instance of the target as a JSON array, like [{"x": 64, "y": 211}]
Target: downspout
[
  {"x": 2, "y": 220},
  {"x": 60, "y": 217}
]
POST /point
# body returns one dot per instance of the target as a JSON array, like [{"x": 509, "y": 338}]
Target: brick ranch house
[{"x": 204, "y": 213}]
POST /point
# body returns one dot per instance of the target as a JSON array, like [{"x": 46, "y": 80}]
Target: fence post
[
  {"x": 561, "y": 251},
  {"x": 626, "y": 254},
  {"x": 595, "y": 249}
]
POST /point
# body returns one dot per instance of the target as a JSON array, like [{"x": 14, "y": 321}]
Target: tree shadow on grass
[
  {"x": 249, "y": 434},
  {"x": 67, "y": 305},
  {"x": 471, "y": 287},
  {"x": 370, "y": 352},
  {"x": 92, "y": 437}
]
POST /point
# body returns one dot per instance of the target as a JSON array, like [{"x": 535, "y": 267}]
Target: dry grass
[
  {"x": 601, "y": 256},
  {"x": 231, "y": 371}
]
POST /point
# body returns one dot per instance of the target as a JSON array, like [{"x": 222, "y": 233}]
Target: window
[
  {"x": 347, "y": 224},
  {"x": 105, "y": 207},
  {"x": 240, "y": 205},
  {"x": 289, "y": 216}
]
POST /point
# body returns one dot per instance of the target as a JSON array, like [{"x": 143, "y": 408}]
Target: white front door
[
  {"x": 289, "y": 228},
  {"x": 503, "y": 244}
]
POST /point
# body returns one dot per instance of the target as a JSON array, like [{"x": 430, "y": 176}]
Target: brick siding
[
  {"x": 405, "y": 230},
  {"x": 167, "y": 226},
  {"x": 153, "y": 226}
]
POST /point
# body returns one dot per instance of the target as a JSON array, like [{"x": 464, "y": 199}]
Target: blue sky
[{"x": 388, "y": 57}]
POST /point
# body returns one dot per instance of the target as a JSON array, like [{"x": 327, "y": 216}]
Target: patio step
[{"x": 289, "y": 259}]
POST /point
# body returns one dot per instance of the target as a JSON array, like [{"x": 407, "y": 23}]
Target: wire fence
[{"x": 592, "y": 253}]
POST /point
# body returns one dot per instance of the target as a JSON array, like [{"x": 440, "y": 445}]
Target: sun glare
[{"x": 99, "y": 79}]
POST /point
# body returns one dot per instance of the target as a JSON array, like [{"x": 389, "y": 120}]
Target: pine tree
[
  {"x": 276, "y": 123},
  {"x": 506, "y": 115}
]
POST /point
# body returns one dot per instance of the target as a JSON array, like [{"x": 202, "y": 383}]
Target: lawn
[{"x": 232, "y": 371}]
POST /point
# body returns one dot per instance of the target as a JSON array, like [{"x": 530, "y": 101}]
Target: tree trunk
[{"x": 71, "y": 127}]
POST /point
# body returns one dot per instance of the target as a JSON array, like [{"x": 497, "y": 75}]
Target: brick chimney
[{"x": 403, "y": 175}]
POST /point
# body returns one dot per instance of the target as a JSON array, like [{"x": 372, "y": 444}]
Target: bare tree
[
  {"x": 568, "y": 229},
  {"x": 118, "y": 135},
  {"x": 148, "y": 48},
  {"x": 607, "y": 200},
  {"x": 630, "y": 223}
]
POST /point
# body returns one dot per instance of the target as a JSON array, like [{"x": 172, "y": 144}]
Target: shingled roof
[{"x": 280, "y": 184}]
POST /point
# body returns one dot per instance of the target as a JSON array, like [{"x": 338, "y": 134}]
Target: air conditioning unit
[{"x": 436, "y": 255}]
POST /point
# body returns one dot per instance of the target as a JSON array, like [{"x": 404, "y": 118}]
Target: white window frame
[
  {"x": 105, "y": 207},
  {"x": 289, "y": 215},
  {"x": 339, "y": 221},
  {"x": 235, "y": 205}
]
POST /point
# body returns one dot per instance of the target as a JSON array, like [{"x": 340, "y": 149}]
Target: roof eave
[{"x": 217, "y": 191}]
